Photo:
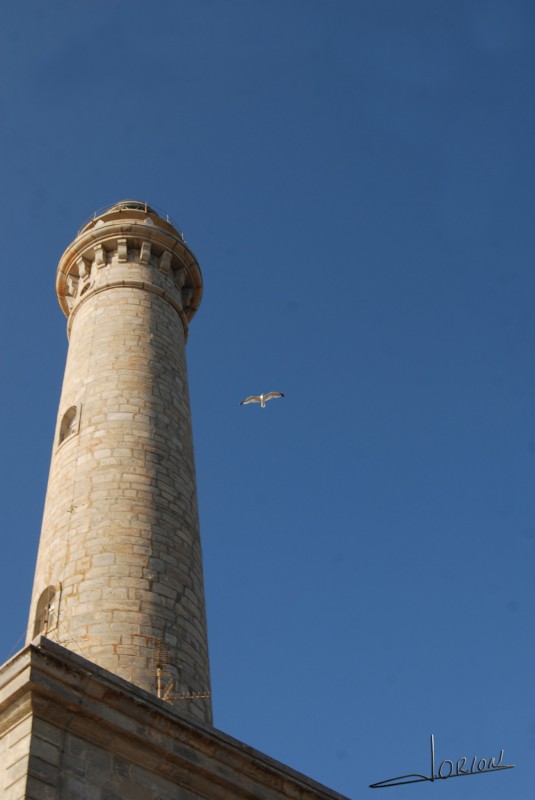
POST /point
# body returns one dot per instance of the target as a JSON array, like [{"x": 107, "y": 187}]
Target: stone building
[{"x": 110, "y": 698}]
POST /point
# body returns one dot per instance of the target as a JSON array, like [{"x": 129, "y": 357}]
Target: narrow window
[
  {"x": 45, "y": 615},
  {"x": 69, "y": 424}
]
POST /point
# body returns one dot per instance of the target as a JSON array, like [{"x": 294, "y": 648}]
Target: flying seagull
[{"x": 261, "y": 398}]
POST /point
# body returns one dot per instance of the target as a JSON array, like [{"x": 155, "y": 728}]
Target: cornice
[{"x": 135, "y": 250}]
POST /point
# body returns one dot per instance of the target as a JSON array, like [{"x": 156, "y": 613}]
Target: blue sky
[{"x": 356, "y": 179}]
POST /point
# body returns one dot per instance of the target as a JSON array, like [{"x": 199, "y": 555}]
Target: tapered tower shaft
[{"x": 119, "y": 571}]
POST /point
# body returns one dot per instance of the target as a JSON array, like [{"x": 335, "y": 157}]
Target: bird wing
[
  {"x": 251, "y": 399},
  {"x": 271, "y": 395}
]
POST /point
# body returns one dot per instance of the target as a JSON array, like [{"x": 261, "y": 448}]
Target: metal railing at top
[{"x": 131, "y": 205}]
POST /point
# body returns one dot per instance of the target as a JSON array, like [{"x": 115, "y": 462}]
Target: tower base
[{"x": 70, "y": 730}]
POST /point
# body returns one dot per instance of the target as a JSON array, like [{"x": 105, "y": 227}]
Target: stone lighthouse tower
[
  {"x": 119, "y": 573},
  {"x": 110, "y": 697}
]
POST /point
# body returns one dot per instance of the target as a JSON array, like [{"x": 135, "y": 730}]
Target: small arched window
[
  {"x": 69, "y": 424},
  {"x": 46, "y": 612}
]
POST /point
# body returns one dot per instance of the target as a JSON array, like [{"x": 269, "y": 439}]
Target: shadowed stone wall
[{"x": 72, "y": 731}]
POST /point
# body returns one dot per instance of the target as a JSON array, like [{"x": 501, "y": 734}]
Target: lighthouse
[
  {"x": 110, "y": 698},
  {"x": 119, "y": 571}
]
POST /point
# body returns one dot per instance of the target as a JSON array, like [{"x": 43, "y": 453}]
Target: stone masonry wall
[
  {"x": 63, "y": 766},
  {"x": 14, "y": 757},
  {"x": 73, "y": 731}
]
